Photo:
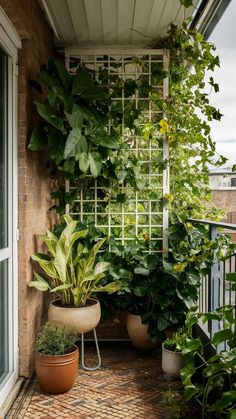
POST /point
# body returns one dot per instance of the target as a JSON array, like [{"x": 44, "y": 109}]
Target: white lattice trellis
[{"x": 143, "y": 212}]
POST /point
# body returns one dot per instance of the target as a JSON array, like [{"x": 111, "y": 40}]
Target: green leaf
[
  {"x": 48, "y": 114},
  {"x": 222, "y": 336},
  {"x": 75, "y": 119},
  {"x": 101, "y": 267},
  {"x": 187, "y": 373},
  {"x": 191, "y": 345},
  {"x": 47, "y": 79},
  {"x": 69, "y": 166},
  {"x": 186, "y": 3},
  {"x": 63, "y": 74},
  {"x": 232, "y": 414},
  {"x": 38, "y": 139},
  {"x": 109, "y": 288},
  {"x": 75, "y": 144},
  {"x": 84, "y": 86},
  {"x": 141, "y": 271},
  {"x": 61, "y": 287},
  {"x": 231, "y": 277},
  {"x": 56, "y": 145},
  {"x": 105, "y": 140},
  {"x": 95, "y": 163},
  {"x": 84, "y": 162},
  {"x": 41, "y": 284}
]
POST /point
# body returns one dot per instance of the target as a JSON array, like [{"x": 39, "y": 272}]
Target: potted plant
[
  {"x": 73, "y": 274},
  {"x": 172, "y": 358},
  {"x": 56, "y": 359}
]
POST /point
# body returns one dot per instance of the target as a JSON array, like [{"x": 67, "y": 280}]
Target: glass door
[
  {"x": 8, "y": 218},
  {"x": 5, "y": 251}
]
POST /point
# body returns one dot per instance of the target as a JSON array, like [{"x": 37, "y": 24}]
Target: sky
[{"x": 224, "y": 38}]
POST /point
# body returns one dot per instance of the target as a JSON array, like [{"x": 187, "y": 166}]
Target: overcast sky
[{"x": 224, "y": 38}]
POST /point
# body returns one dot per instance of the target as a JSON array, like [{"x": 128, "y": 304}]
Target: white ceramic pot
[
  {"x": 83, "y": 319},
  {"x": 138, "y": 332},
  {"x": 172, "y": 362}
]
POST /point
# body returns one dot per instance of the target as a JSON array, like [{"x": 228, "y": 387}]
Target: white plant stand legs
[{"x": 83, "y": 352}]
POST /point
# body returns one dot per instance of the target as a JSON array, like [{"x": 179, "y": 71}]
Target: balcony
[{"x": 110, "y": 208}]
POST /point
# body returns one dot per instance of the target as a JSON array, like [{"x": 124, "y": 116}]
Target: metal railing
[{"x": 215, "y": 291}]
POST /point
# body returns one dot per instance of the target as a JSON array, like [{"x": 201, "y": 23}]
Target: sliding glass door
[
  {"x": 8, "y": 221},
  {"x": 5, "y": 247}
]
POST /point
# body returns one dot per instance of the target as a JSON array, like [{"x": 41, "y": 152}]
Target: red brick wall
[{"x": 34, "y": 180}]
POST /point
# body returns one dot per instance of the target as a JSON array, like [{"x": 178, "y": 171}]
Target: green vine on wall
[{"x": 78, "y": 107}]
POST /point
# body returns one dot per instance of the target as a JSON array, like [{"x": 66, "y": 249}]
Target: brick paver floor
[{"x": 130, "y": 384}]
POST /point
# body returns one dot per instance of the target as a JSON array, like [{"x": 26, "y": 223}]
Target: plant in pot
[
  {"x": 172, "y": 357},
  {"x": 56, "y": 359},
  {"x": 73, "y": 274}
]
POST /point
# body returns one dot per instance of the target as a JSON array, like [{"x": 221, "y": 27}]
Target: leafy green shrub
[{"x": 55, "y": 341}]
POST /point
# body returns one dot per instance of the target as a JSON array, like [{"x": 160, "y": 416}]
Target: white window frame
[{"x": 10, "y": 42}]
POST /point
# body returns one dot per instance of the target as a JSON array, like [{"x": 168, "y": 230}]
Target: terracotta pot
[
  {"x": 138, "y": 332},
  {"x": 172, "y": 362},
  {"x": 56, "y": 373},
  {"x": 83, "y": 319}
]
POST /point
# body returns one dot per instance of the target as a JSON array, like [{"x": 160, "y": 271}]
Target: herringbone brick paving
[{"x": 129, "y": 385}]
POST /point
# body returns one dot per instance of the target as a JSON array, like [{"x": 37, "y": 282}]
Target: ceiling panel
[
  {"x": 94, "y": 19},
  {"x": 109, "y": 21},
  {"x": 125, "y": 19},
  {"x": 77, "y": 8},
  {"x": 112, "y": 22}
]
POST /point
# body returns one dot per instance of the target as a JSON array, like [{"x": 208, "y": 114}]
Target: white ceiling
[{"x": 112, "y": 22}]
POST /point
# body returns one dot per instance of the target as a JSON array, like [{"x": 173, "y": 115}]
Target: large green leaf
[
  {"x": 231, "y": 277},
  {"x": 48, "y": 114},
  {"x": 38, "y": 139},
  {"x": 50, "y": 240},
  {"x": 105, "y": 140},
  {"x": 110, "y": 288},
  {"x": 84, "y": 86},
  {"x": 63, "y": 74},
  {"x": 222, "y": 336},
  {"x": 101, "y": 267},
  {"x": 60, "y": 262},
  {"x": 64, "y": 97},
  {"x": 95, "y": 163},
  {"x": 75, "y": 144},
  {"x": 40, "y": 284},
  {"x": 75, "y": 118},
  {"x": 45, "y": 78},
  {"x": 61, "y": 287},
  {"x": 56, "y": 145},
  {"x": 83, "y": 162}
]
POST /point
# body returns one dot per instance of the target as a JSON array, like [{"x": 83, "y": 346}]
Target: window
[{"x": 233, "y": 181}]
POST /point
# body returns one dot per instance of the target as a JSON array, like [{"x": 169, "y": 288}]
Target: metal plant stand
[{"x": 83, "y": 351}]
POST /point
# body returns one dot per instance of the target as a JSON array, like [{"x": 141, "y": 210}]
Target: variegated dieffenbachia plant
[{"x": 70, "y": 269}]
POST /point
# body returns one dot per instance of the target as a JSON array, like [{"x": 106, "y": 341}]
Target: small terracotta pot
[
  {"x": 83, "y": 319},
  {"x": 56, "y": 373},
  {"x": 172, "y": 362},
  {"x": 138, "y": 332}
]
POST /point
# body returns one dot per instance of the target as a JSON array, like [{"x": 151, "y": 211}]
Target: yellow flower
[
  {"x": 164, "y": 126},
  {"x": 180, "y": 267}
]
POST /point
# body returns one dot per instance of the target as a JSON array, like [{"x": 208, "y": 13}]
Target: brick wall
[{"x": 34, "y": 181}]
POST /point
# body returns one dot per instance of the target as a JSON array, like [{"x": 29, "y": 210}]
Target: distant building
[
  {"x": 223, "y": 187},
  {"x": 222, "y": 180}
]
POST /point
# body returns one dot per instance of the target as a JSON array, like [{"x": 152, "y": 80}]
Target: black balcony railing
[{"x": 215, "y": 291}]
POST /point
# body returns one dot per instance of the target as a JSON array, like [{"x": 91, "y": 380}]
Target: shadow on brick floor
[{"x": 130, "y": 384}]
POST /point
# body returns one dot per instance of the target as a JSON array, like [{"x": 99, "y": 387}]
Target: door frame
[{"x": 10, "y": 42}]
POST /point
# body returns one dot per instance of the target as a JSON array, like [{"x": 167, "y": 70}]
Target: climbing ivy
[{"x": 78, "y": 107}]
